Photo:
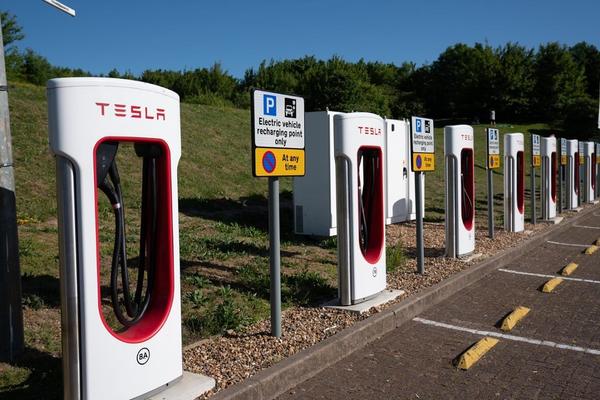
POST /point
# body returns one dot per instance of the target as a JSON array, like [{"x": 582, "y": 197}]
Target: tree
[
  {"x": 588, "y": 56},
  {"x": 11, "y": 30},
  {"x": 559, "y": 82},
  {"x": 461, "y": 82},
  {"x": 515, "y": 82}
]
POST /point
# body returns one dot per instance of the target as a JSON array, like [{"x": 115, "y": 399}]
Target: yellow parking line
[
  {"x": 551, "y": 285},
  {"x": 511, "y": 320},
  {"x": 591, "y": 250},
  {"x": 569, "y": 269},
  {"x": 467, "y": 359}
]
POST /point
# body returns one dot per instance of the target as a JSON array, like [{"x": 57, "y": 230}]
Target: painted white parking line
[
  {"x": 514, "y": 338},
  {"x": 586, "y": 227},
  {"x": 568, "y": 244},
  {"x": 566, "y": 278}
]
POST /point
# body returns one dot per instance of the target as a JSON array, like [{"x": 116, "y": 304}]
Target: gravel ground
[{"x": 232, "y": 358}]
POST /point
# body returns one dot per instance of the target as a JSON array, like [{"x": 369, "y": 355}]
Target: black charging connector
[{"x": 109, "y": 181}]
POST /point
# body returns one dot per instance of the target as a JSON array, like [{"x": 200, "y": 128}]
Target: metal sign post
[
  {"x": 493, "y": 162},
  {"x": 561, "y": 172},
  {"x": 277, "y": 150},
  {"x": 423, "y": 159},
  {"x": 536, "y": 161}
]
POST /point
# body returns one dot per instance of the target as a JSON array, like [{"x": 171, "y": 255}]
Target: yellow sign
[
  {"x": 493, "y": 161},
  {"x": 423, "y": 162},
  {"x": 537, "y": 161},
  {"x": 278, "y": 162},
  {"x": 563, "y": 160},
  {"x": 581, "y": 160},
  {"x": 597, "y": 160}
]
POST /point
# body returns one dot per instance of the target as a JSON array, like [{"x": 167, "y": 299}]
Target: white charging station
[
  {"x": 589, "y": 168},
  {"x": 314, "y": 194},
  {"x": 460, "y": 190},
  {"x": 549, "y": 177},
  {"x": 136, "y": 352},
  {"x": 514, "y": 182},
  {"x": 401, "y": 204},
  {"x": 360, "y": 171},
  {"x": 572, "y": 174}
]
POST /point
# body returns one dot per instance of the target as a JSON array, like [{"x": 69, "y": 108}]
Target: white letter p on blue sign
[{"x": 269, "y": 105}]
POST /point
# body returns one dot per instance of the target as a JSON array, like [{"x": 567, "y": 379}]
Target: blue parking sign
[
  {"x": 418, "y": 125},
  {"x": 269, "y": 105}
]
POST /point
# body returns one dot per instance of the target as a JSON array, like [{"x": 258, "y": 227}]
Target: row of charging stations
[
  {"x": 134, "y": 342},
  {"x": 314, "y": 194}
]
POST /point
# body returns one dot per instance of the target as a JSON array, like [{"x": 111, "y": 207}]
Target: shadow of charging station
[{"x": 132, "y": 347}]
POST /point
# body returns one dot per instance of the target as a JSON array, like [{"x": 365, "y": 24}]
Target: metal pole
[
  {"x": 274, "y": 256},
  {"x": 533, "y": 219},
  {"x": 11, "y": 315},
  {"x": 490, "y": 183},
  {"x": 420, "y": 250}
]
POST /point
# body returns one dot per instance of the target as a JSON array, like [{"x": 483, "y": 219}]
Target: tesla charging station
[
  {"x": 549, "y": 177},
  {"x": 314, "y": 195},
  {"x": 359, "y": 165},
  {"x": 589, "y": 168},
  {"x": 128, "y": 346},
  {"x": 572, "y": 180},
  {"x": 514, "y": 182},
  {"x": 460, "y": 190}
]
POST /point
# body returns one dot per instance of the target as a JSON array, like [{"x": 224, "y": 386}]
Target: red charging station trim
[
  {"x": 164, "y": 281},
  {"x": 576, "y": 180},
  {"x": 520, "y": 182},
  {"x": 553, "y": 173},
  {"x": 593, "y": 168},
  {"x": 467, "y": 168},
  {"x": 374, "y": 212}
]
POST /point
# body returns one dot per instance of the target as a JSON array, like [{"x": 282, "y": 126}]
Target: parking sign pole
[
  {"x": 420, "y": 247},
  {"x": 275, "y": 256}
]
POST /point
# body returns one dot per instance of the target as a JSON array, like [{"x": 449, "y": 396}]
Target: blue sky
[{"x": 134, "y": 35}]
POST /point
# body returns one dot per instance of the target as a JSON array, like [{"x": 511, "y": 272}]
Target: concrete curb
[{"x": 279, "y": 378}]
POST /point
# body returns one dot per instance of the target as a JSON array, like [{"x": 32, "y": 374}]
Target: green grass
[{"x": 223, "y": 231}]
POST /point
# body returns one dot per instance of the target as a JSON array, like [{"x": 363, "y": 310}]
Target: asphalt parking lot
[{"x": 552, "y": 353}]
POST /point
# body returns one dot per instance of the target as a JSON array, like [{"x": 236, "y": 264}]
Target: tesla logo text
[
  {"x": 130, "y": 111},
  {"x": 367, "y": 130}
]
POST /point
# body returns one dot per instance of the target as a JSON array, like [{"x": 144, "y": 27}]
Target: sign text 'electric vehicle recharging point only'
[
  {"x": 549, "y": 177},
  {"x": 125, "y": 344},
  {"x": 514, "y": 182},
  {"x": 460, "y": 190},
  {"x": 360, "y": 163}
]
